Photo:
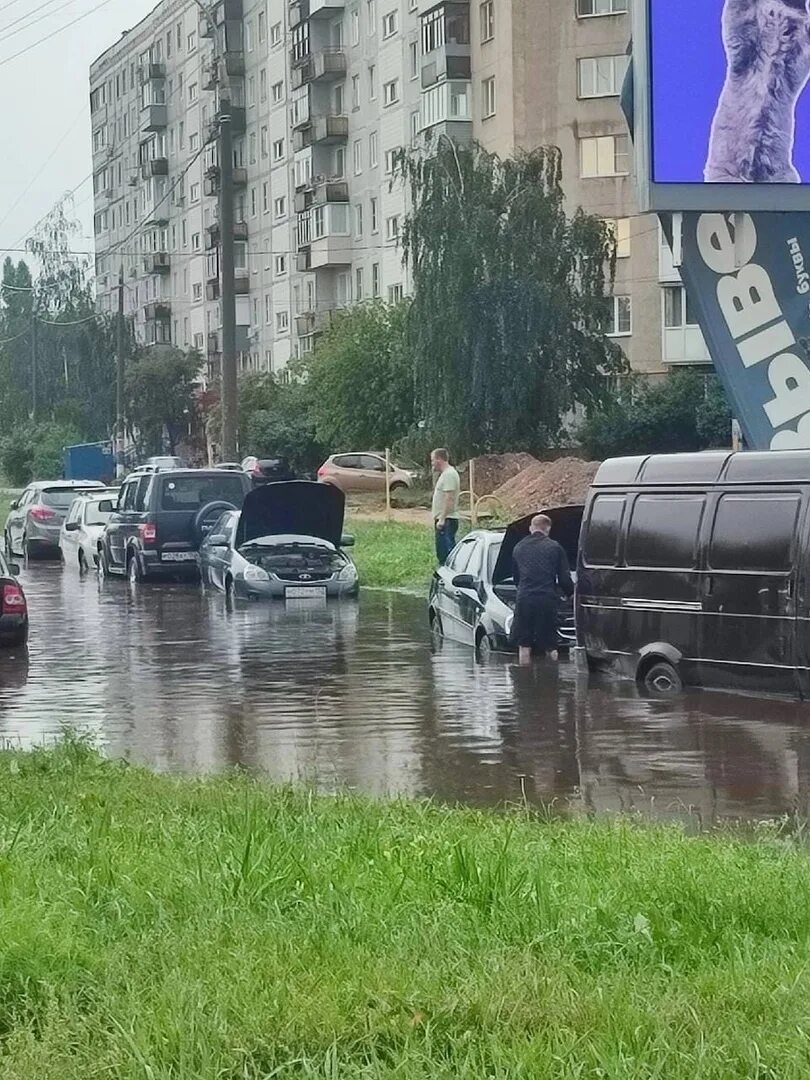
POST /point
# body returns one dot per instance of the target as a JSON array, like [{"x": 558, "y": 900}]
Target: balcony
[
  {"x": 153, "y": 71},
  {"x": 303, "y": 263},
  {"x": 241, "y": 281},
  {"x": 238, "y": 120},
  {"x": 213, "y": 348},
  {"x": 159, "y": 262},
  {"x": 158, "y": 311},
  {"x": 326, "y": 130},
  {"x": 327, "y": 65},
  {"x": 210, "y": 75},
  {"x": 158, "y": 166},
  {"x": 240, "y": 232},
  {"x": 299, "y": 11},
  {"x": 322, "y": 191},
  {"x": 308, "y": 323},
  {"x": 212, "y": 290},
  {"x": 325, "y": 9},
  {"x": 154, "y": 118}
]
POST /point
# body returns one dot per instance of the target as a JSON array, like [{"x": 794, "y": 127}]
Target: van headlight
[
  {"x": 507, "y": 626},
  {"x": 348, "y": 574},
  {"x": 255, "y": 573}
]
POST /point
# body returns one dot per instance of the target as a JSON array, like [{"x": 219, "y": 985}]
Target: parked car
[
  {"x": 695, "y": 569},
  {"x": 160, "y": 520},
  {"x": 230, "y": 466},
  {"x": 268, "y": 470},
  {"x": 83, "y": 527},
  {"x": 35, "y": 519},
  {"x": 13, "y": 606},
  {"x": 363, "y": 472},
  {"x": 472, "y": 597},
  {"x": 164, "y": 463},
  {"x": 287, "y": 543}
]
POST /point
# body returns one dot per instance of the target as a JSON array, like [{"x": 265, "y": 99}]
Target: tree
[
  {"x": 685, "y": 411},
  {"x": 360, "y": 378},
  {"x": 511, "y": 298},
  {"x": 160, "y": 395}
]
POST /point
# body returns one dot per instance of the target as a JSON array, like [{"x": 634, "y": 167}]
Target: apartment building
[{"x": 325, "y": 93}]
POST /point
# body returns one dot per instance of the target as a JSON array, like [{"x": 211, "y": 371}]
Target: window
[
  {"x": 282, "y": 321},
  {"x": 606, "y": 155},
  {"x": 604, "y": 529},
  {"x": 664, "y": 531},
  {"x": 197, "y": 290},
  {"x": 371, "y": 17},
  {"x": 488, "y": 97},
  {"x": 433, "y": 36},
  {"x": 620, "y": 228},
  {"x": 358, "y": 283},
  {"x": 392, "y": 228},
  {"x": 196, "y": 242},
  {"x": 373, "y": 150},
  {"x": 263, "y": 26},
  {"x": 754, "y": 533},
  {"x": 355, "y": 21},
  {"x": 372, "y": 82},
  {"x": 390, "y": 24},
  {"x": 413, "y": 59},
  {"x": 375, "y": 279},
  {"x": 358, "y": 221},
  {"x": 265, "y": 198},
  {"x": 395, "y": 293},
  {"x": 601, "y": 76},
  {"x": 277, "y": 92},
  {"x": 375, "y": 221},
  {"x": 391, "y": 92},
  {"x": 194, "y": 142},
  {"x": 278, "y": 150},
  {"x": 677, "y": 309},
  {"x": 600, "y": 7},
  {"x": 194, "y": 193},
  {"x": 264, "y": 140},
  {"x": 391, "y": 160},
  {"x": 487, "y": 10},
  {"x": 280, "y": 265},
  {"x": 355, "y": 91},
  {"x": 622, "y": 317},
  {"x": 340, "y": 162},
  {"x": 358, "y": 156},
  {"x": 415, "y": 123},
  {"x": 280, "y": 206},
  {"x": 193, "y": 92},
  {"x": 275, "y": 33},
  {"x": 191, "y": 41}
]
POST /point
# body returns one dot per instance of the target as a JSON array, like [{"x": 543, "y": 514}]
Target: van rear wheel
[{"x": 663, "y": 679}]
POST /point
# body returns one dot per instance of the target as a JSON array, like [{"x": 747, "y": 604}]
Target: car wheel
[
  {"x": 484, "y": 646},
  {"x": 399, "y": 486},
  {"x": 230, "y": 592},
  {"x": 663, "y": 680},
  {"x": 103, "y": 565},
  {"x": 134, "y": 574},
  {"x": 436, "y": 630},
  {"x": 82, "y": 562},
  {"x": 28, "y": 550},
  {"x": 7, "y": 545}
]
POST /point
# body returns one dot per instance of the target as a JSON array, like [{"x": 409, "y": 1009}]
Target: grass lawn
[
  {"x": 393, "y": 554},
  {"x": 181, "y": 929}
]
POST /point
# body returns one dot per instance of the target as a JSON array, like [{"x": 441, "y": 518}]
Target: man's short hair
[
  {"x": 442, "y": 454},
  {"x": 541, "y": 523}
]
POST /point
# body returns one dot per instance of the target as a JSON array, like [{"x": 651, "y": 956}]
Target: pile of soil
[
  {"x": 493, "y": 470},
  {"x": 547, "y": 483}
]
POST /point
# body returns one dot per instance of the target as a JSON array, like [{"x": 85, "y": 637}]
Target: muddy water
[{"x": 354, "y": 696}]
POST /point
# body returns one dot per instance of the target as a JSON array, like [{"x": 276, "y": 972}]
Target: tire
[
  {"x": 82, "y": 562},
  {"x": 134, "y": 574},
  {"x": 436, "y": 630},
  {"x": 484, "y": 648},
  {"x": 28, "y": 552},
  {"x": 230, "y": 592},
  {"x": 398, "y": 486},
  {"x": 103, "y": 565},
  {"x": 663, "y": 680},
  {"x": 7, "y": 545}
]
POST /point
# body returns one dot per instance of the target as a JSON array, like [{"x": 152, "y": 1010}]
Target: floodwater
[{"x": 354, "y": 696}]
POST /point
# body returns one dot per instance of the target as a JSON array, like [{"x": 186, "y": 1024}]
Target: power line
[
  {"x": 53, "y": 34},
  {"x": 33, "y": 22}
]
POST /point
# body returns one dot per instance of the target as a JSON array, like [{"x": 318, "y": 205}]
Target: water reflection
[{"x": 353, "y": 695}]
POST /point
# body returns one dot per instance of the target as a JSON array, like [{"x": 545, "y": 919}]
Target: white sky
[{"x": 46, "y": 107}]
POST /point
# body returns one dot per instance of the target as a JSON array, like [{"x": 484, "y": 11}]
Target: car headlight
[
  {"x": 348, "y": 573},
  {"x": 510, "y": 622},
  {"x": 255, "y": 573}
]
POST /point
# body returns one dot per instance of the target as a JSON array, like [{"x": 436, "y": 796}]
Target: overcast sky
[{"x": 47, "y": 108}]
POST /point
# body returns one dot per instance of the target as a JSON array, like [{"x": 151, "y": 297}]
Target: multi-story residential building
[{"x": 325, "y": 93}]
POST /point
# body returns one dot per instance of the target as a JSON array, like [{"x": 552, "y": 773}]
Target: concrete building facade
[{"x": 326, "y": 92}]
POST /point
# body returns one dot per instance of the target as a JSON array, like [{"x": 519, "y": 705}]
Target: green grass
[
  {"x": 393, "y": 555},
  {"x": 215, "y": 930}
]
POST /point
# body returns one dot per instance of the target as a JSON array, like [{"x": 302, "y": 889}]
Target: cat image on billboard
[{"x": 767, "y": 46}]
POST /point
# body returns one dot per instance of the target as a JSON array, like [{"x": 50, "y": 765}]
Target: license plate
[
  {"x": 300, "y": 592},
  {"x": 178, "y": 556}
]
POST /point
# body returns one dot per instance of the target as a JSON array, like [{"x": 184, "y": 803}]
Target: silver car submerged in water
[{"x": 287, "y": 543}]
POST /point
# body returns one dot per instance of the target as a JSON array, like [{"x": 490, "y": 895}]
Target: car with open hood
[
  {"x": 472, "y": 597},
  {"x": 287, "y": 543}
]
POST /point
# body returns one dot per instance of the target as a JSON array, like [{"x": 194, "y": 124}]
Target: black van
[{"x": 695, "y": 569}]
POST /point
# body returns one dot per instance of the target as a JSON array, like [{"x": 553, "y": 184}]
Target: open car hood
[
  {"x": 566, "y": 525},
  {"x": 295, "y": 508}
]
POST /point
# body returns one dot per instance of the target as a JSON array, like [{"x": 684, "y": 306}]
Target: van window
[
  {"x": 601, "y": 545},
  {"x": 664, "y": 531},
  {"x": 754, "y": 532}
]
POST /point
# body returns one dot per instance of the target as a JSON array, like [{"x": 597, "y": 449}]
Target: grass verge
[
  {"x": 393, "y": 554},
  {"x": 198, "y": 929}
]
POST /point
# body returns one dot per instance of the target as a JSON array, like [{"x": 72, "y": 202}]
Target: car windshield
[
  {"x": 194, "y": 492},
  {"x": 492, "y": 558},
  {"x": 59, "y": 498},
  {"x": 98, "y": 513}
]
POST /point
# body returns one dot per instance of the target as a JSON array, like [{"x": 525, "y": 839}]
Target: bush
[{"x": 35, "y": 452}]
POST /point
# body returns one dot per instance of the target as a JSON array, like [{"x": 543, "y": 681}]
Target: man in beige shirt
[{"x": 445, "y": 503}]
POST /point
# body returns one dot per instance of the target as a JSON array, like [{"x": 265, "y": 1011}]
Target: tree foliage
[
  {"x": 507, "y": 326},
  {"x": 160, "y": 389},
  {"x": 685, "y": 411},
  {"x": 360, "y": 378}
]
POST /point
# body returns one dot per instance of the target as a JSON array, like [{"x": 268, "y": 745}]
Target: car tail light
[
  {"x": 13, "y": 599},
  {"x": 323, "y": 471},
  {"x": 42, "y": 513},
  {"x": 257, "y": 470},
  {"x": 148, "y": 532}
]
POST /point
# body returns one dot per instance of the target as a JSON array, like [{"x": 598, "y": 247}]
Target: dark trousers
[{"x": 446, "y": 539}]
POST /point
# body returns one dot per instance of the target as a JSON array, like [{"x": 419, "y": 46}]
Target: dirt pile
[
  {"x": 547, "y": 484},
  {"x": 493, "y": 470}
]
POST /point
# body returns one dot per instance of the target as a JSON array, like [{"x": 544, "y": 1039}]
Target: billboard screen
[{"x": 722, "y": 89}]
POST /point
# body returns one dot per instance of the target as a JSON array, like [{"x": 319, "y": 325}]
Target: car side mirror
[
  {"x": 217, "y": 540},
  {"x": 14, "y": 569},
  {"x": 464, "y": 581},
  {"x": 72, "y": 526},
  {"x": 347, "y": 541}
]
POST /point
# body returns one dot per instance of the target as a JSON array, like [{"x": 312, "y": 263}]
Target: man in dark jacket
[{"x": 540, "y": 568}]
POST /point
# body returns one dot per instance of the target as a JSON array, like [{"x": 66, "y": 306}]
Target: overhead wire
[
  {"x": 8, "y": 59},
  {"x": 21, "y": 29}
]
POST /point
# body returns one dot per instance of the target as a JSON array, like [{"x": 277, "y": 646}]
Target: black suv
[{"x": 162, "y": 518}]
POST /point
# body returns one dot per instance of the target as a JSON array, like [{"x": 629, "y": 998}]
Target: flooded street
[{"x": 354, "y": 696}]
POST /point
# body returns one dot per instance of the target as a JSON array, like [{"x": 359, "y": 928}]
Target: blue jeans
[{"x": 446, "y": 539}]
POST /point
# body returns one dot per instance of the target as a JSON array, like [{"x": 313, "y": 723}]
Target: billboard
[{"x": 722, "y": 113}]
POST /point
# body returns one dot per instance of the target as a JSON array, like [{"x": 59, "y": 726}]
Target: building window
[
  {"x": 192, "y": 41},
  {"x": 433, "y": 36},
  {"x": 278, "y": 150},
  {"x": 487, "y": 20},
  {"x": 372, "y": 82},
  {"x": 375, "y": 280},
  {"x": 371, "y": 17},
  {"x": 395, "y": 293},
  {"x": 391, "y": 160},
  {"x": 355, "y": 91},
  {"x": 265, "y": 198},
  {"x": 196, "y": 242},
  {"x": 600, "y": 7},
  {"x": 275, "y": 33},
  {"x": 340, "y": 162},
  {"x": 392, "y": 228},
  {"x": 488, "y": 97},
  {"x": 277, "y": 92},
  {"x": 282, "y": 322},
  {"x": 622, "y": 325},
  {"x": 197, "y": 291},
  {"x": 606, "y": 155},
  {"x": 280, "y": 266},
  {"x": 677, "y": 309},
  {"x": 373, "y": 150},
  {"x": 193, "y": 91},
  {"x": 355, "y": 18},
  {"x": 391, "y": 92},
  {"x": 375, "y": 219},
  {"x": 415, "y": 123},
  {"x": 390, "y": 23},
  {"x": 413, "y": 55},
  {"x": 280, "y": 206},
  {"x": 358, "y": 221},
  {"x": 620, "y": 229},
  {"x": 601, "y": 76},
  {"x": 358, "y": 286},
  {"x": 194, "y": 193},
  {"x": 262, "y": 24},
  {"x": 358, "y": 156}
]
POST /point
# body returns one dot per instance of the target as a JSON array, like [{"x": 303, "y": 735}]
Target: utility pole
[
  {"x": 34, "y": 365},
  {"x": 230, "y": 390},
  {"x": 119, "y": 379}
]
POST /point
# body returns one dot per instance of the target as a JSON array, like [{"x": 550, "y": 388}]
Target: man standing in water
[
  {"x": 445, "y": 503},
  {"x": 541, "y": 570}
]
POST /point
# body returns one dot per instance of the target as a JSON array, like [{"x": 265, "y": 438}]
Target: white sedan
[{"x": 83, "y": 526}]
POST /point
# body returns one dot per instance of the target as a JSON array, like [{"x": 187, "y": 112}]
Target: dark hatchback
[
  {"x": 13, "y": 606},
  {"x": 472, "y": 598},
  {"x": 162, "y": 518}
]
